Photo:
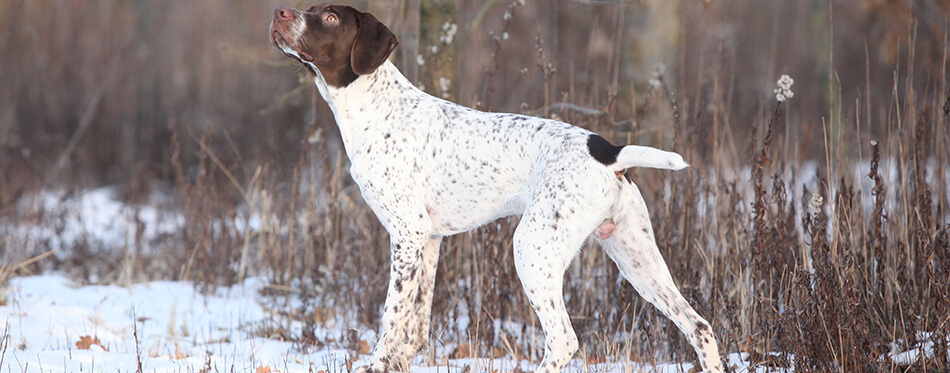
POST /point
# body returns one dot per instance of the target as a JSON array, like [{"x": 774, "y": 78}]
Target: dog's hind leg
[
  {"x": 633, "y": 248},
  {"x": 550, "y": 234},
  {"x": 541, "y": 271}
]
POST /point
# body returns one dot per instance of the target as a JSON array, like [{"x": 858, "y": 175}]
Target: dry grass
[{"x": 192, "y": 96}]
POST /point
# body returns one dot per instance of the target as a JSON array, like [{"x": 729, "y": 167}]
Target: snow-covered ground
[
  {"x": 50, "y": 325},
  {"x": 46, "y": 319}
]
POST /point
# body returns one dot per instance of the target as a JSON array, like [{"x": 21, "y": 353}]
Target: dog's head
[{"x": 337, "y": 40}]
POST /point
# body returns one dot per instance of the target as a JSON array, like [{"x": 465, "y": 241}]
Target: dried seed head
[
  {"x": 658, "y": 69},
  {"x": 784, "y": 90},
  {"x": 816, "y": 202}
]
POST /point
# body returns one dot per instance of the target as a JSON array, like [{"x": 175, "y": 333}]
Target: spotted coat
[{"x": 429, "y": 168}]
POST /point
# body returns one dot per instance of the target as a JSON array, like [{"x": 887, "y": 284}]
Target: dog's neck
[
  {"x": 355, "y": 106},
  {"x": 386, "y": 81}
]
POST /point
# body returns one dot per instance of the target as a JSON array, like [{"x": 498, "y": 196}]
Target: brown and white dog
[{"x": 430, "y": 168}]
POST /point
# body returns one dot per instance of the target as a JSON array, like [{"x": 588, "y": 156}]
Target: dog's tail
[{"x": 645, "y": 156}]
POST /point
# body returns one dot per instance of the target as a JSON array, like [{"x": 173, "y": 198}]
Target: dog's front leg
[
  {"x": 407, "y": 268},
  {"x": 417, "y": 329}
]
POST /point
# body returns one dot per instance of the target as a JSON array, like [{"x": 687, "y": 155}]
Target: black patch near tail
[{"x": 602, "y": 150}]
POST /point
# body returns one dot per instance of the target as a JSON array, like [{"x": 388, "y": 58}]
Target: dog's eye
[{"x": 331, "y": 18}]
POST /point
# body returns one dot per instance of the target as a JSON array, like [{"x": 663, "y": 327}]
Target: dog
[{"x": 429, "y": 168}]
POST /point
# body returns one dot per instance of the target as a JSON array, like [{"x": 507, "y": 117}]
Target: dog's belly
[
  {"x": 453, "y": 218},
  {"x": 457, "y": 206}
]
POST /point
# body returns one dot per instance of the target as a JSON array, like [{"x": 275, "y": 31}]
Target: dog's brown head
[{"x": 338, "y": 40}]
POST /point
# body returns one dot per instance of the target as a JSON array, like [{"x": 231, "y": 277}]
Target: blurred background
[{"x": 186, "y": 110}]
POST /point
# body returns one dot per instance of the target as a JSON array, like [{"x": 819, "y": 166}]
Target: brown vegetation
[{"x": 816, "y": 229}]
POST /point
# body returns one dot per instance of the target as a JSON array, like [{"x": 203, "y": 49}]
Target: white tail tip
[{"x": 645, "y": 156}]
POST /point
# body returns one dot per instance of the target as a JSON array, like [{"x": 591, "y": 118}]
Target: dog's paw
[
  {"x": 373, "y": 367},
  {"x": 366, "y": 369}
]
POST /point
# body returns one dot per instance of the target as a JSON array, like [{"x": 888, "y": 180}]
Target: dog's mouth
[{"x": 281, "y": 42}]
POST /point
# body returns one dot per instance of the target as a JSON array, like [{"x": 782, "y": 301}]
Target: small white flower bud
[
  {"x": 784, "y": 90},
  {"x": 816, "y": 202},
  {"x": 444, "y": 84}
]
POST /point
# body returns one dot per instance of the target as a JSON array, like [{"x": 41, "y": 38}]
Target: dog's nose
[{"x": 283, "y": 14}]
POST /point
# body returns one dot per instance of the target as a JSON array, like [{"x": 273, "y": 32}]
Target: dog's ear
[{"x": 374, "y": 42}]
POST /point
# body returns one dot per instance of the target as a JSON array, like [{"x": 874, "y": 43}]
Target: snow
[
  {"x": 178, "y": 328},
  {"x": 909, "y": 355},
  {"x": 59, "y": 221},
  {"x": 182, "y": 330}
]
